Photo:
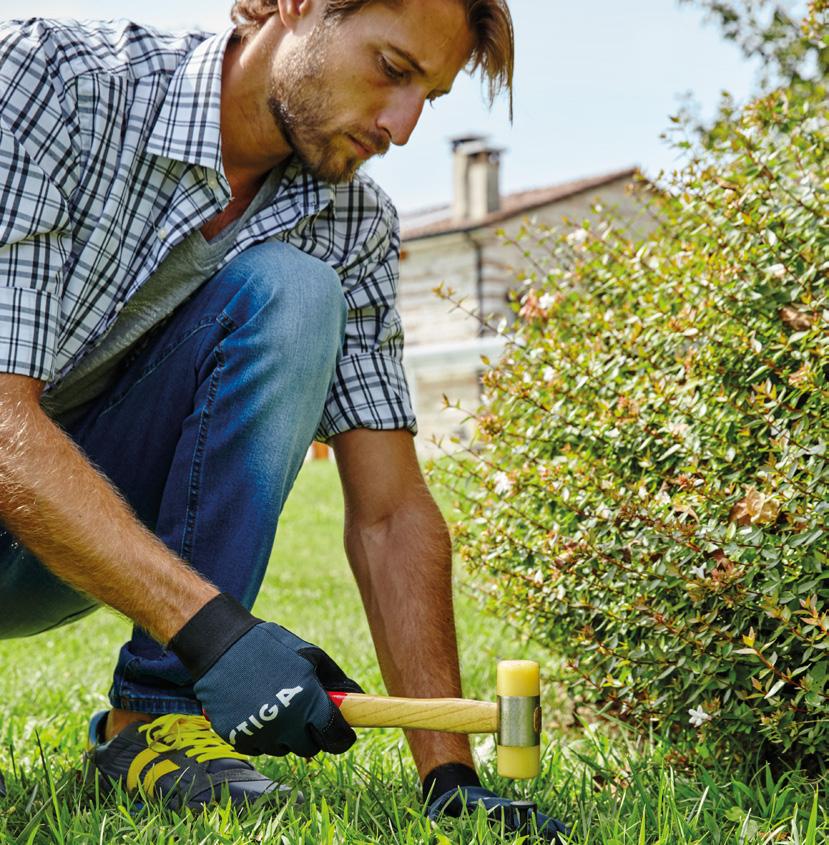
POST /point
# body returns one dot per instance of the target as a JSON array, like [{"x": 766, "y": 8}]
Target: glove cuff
[
  {"x": 447, "y": 778},
  {"x": 210, "y": 632}
]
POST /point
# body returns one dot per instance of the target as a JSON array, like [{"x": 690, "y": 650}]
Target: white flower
[
  {"x": 503, "y": 484},
  {"x": 698, "y": 717},
  {"x": 548, "y": 374},
  {"x": 577, "y": 238},
  {"x": 546, "y": 301},
  {"x": 778, "y": 271},
  {"x": 698, "y": 571}
]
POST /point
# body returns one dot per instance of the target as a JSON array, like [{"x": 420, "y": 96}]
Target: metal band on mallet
[{"x": 519, "y": 720}]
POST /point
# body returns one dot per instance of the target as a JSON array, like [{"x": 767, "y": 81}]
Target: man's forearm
[
  {"x": 403, "y": 568},
  {"x": 77, "y": 524}
]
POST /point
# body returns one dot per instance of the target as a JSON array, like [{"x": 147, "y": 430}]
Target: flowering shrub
[{"x": 650, "y": 489}]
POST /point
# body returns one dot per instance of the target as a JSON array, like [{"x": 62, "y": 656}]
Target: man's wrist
[
  {"x": 210, "y": 632},
  {"x": 449, "y": 776}
]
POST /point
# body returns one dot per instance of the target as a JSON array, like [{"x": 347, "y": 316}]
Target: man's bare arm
[
  {"x": 399, "y": 549},
  {"x": 78, "y": 525}
]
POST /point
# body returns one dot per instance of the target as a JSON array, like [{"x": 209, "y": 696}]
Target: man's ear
[{"x": 292, "y": 11}]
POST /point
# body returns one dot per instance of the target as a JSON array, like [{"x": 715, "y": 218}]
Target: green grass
[{"x": 613, "y": 787}]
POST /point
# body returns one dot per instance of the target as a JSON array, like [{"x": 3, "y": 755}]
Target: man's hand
[
  {"x": 500, "y": 811},
  {"x": 263, "y": 688}
]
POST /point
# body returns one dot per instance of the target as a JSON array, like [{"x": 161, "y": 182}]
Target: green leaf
[
  {"x": 775, "y": 689},
  {"x": 811, "y": 830},
  {"x": 806, "y": 538}
]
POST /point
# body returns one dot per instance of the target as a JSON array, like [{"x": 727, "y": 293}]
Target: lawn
[{"x": 612, "y": 787}]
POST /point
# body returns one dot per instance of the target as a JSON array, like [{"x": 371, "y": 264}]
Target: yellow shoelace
[{"x": 190, "y": 734}]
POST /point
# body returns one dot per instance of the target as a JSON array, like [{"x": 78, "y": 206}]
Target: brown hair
[{"x": 489, "y": 20}]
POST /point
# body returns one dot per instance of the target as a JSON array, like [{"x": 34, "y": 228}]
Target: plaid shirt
[{"x": 110, "y": 155}]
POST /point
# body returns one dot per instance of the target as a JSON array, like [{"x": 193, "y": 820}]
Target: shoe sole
[{"x": 92, "y": 776}]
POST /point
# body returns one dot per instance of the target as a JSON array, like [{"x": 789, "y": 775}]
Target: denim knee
[{"x": 296, "y": 299}]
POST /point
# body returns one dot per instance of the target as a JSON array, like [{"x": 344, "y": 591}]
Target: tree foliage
[
  {"x": 649, "y": 495},
  {"x": 791, "y": 49}
]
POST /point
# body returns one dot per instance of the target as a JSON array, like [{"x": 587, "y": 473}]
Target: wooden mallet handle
[
  {"x": 452, "y": 715},
  {"x": 516, "y": 718}
]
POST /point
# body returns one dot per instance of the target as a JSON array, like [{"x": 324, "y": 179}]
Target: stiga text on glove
[{"x": 267, "y": 713}]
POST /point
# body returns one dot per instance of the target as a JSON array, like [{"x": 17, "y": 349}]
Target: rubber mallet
[{"x": 516, "y": 718}]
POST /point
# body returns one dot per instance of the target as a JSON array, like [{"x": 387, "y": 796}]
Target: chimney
[{"x": 477, "y": 167}]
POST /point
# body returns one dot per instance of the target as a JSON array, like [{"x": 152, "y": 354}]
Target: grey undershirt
[{"x": 188, "y": 265}]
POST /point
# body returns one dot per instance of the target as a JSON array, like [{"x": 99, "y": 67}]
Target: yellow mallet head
[{"x": 519, "y": 719}]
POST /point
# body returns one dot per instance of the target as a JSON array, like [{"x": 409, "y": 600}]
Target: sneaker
[{"x": 179, "y": 761}]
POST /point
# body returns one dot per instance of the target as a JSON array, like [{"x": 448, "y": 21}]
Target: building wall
[
  {"x": 441, "y": 340},
  {"x": 427, "y": 319},
  {"x": 440, "y": 427}
]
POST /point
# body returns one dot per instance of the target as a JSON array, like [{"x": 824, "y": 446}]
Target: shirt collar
[{"x": 187, "y": 128}]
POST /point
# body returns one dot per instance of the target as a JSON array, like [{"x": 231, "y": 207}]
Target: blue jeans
[{"x": 203, "y": 432}]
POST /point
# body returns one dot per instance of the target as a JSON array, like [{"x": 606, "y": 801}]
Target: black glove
[
  {"x": 263, "y": 688},
  {"x": 467, "y": 794}
]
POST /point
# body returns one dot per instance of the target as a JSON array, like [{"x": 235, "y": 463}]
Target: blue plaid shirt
[{"x": 110, "y": 155}]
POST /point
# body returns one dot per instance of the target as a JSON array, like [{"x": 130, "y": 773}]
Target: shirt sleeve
[
  {"x": 370, "y": 388},
  {"x": 35, "y": 232},
  {"x": 33, "y": 250}
]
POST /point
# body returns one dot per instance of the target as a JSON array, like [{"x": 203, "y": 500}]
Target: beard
[{"x": 304, "y": 111}]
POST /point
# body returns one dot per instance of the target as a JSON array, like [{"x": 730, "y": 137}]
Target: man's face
[{"x": 353, "y": 86}]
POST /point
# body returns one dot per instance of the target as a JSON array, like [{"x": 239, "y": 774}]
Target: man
[{"x": 196, "y": 282}]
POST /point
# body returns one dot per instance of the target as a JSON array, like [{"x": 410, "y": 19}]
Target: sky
[{"x": 595, "y": 84}]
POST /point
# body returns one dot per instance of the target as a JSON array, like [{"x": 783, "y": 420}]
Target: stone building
[{"x": 457, "y": 245}]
